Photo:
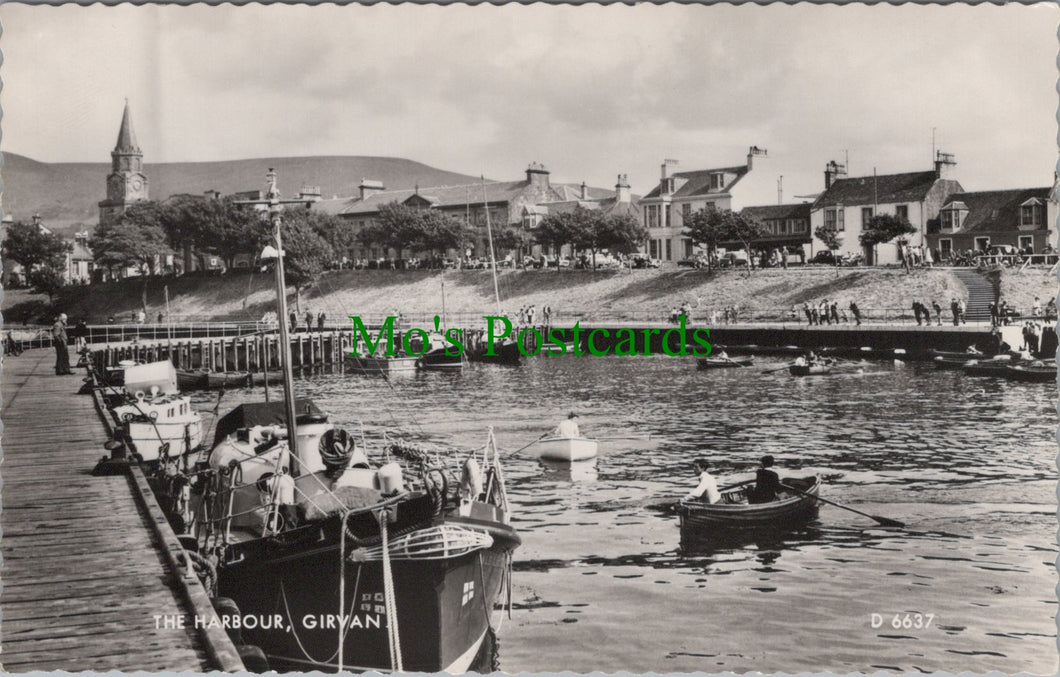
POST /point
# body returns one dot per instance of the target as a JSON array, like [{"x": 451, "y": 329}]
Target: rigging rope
[{"x": 393, "y": 635}]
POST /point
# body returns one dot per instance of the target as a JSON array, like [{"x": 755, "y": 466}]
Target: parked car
[
  {"x": 644, "y": 261},
  {"x": 733, "y": 259},
  {"x": 825, "y": 257}
]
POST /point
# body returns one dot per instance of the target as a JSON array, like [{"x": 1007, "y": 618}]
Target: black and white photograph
[{"x": 645, "y": 338}]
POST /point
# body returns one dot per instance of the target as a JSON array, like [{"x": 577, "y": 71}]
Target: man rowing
[
  {"x": 767, "y": 483},
  {"x": 569, "y": 427},
  {"x": 707, "y": 489}
]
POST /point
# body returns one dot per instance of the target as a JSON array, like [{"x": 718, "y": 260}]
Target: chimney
[
  {"x": 370, "y": 188},
  {"x": 944, "y": 165},
  {"x": 310, "y": 193},
  {"x": 212, "y": 194},
  {"x": 832, "y": 171},
  {"x": 752, "y": 152},
  {"x": 537, "y": 175},
  {"x": 585, "y": 191},
  {"x": 622, "y": 193},
  {"x": 36, "y": 220}
]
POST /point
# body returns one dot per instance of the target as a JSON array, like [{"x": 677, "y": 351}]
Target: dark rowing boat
[
  {"x": 986, "y": 367},
  {"x": 1033, "y": 372},
  {"x": 810, "y": 369},
  {"x": 506, "y": 352},
  {"x": 950, "y": 363},
  {"x": 724, "y": 362},
  {"x": 734, "y": 512}
]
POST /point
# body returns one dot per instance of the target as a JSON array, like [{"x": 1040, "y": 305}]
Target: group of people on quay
[
  {"x": 529, "y": 314},
  {"x": 827, "y": 312},
  {"x": 685, "y": 310},
  {"x": 320, "y": 318}
]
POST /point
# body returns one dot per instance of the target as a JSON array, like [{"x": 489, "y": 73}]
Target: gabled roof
[
  {"x": 496, "y": 192},
  {"x": 332, "y": 206},
  {"x": 995, "y": 210},
  {"x": 882, "y": 189},
  {"x": 126, "y": 136},
  {"x": 697, "y": 183},
  {"x": 795, "y": 210}
]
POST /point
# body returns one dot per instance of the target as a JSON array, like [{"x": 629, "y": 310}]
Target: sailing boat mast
[{"x": 493, "y": 258}]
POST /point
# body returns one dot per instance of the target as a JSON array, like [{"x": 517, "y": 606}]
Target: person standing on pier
[
  {"x": 59, "y": 340},
  {"x": 955, "y": 308},
  {"x": 707, "y": 490},
  {"x": 938, "y": 312},
  {"x": 993, "y": 314},
  {"x": 294, "y": 321},
  {"x": 809, "y": 315},
  {"x": 309, "y": 320},
  {"x": 961, "y": 308},
  {"x": 835, "y": 311},
  {"x": 321, "y": 318},
  {"x": 856, "y": 312}
]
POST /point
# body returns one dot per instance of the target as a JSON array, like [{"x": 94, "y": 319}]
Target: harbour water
[{"x": 603, "y": 582}]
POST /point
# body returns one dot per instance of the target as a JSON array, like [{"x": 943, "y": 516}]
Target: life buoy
[{"x": 153, "y": 415}]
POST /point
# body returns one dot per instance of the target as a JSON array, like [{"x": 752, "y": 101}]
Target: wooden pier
[{"x": 87, "y": 571}]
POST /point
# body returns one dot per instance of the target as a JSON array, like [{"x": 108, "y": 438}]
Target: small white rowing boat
[{"x": 566, "y": 448}]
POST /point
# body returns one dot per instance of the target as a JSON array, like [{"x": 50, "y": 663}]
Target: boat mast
[
  {"x": 493, "y": 258},
  {"x": 274, "y": 203}
]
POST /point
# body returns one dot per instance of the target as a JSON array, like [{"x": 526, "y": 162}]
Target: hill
[{"x": 66, "y": 193}]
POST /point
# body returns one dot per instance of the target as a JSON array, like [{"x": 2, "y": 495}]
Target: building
[
  {"x": 788, "y": 225},
  {"x": 79, "y": 262},
  {"x": 126, "y": 183},
  {"x": 980, "y": 220},
  {"x": 619, "y": 203},
  {"x": 506, "y": 202},
  {"x": 848, "y": 204},
  {"x": 680, "y": 194}
]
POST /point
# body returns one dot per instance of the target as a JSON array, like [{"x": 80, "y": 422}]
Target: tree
[
  {"x": 625, "y": 234},
  {"x": 221, "y": 227},
  {"x": 746, "y": 232},
  {"x": 884, "y": 228},
  {"x": 574, "y": 228},
  {"x": 30, "y": 246},
  {"x": 306, "y": 253},
  {"x": 831, "y": 239},
  {"x": 708, "y": 228},
  {"x": 127, "y": 243},
  {"x": 48, "y": 279}
]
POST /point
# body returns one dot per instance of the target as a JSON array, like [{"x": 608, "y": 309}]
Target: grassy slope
[{"x": 352, "y": 292}]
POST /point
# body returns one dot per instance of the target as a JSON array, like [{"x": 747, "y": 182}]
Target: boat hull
[
  {"x": 720, "y": 363},
  {"x": 506, "y": 352},
  {"x": 1031, "y": 374},
  {"x": 700, "y": 518},
  {"x": 566, "y": 448},
  {"x": 383, "y": 365},
  {"x": 439, "y": 360},
  {"x": 809, "y": 370},
  {"x": 444, "y": 607}
]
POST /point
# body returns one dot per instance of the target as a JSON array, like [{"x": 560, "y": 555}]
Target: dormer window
[
  {"x": 952, "y": 216},
  {"x": 1032, "y": 213},
  {"x": 717, "y": 181}
]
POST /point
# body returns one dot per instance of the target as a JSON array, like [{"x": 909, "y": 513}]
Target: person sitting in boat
[
  {"x": 767, "y": 483},
  {"x": 807, "y": 360},
  {"x": 721, "y": 354},
  {"x": 707, "y": 489},
  {"x": 568, "y": 428}
]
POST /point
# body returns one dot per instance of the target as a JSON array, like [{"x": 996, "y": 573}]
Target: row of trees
[{"x": 591, "y": 231}]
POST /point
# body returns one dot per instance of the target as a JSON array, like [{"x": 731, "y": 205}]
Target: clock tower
[{"x": 126, "y": 182}]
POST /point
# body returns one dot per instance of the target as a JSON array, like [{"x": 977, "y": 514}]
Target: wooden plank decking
[{"x": 83, "y": 577}]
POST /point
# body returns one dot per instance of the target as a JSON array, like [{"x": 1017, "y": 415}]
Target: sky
[{"x": 590, "y": 91}]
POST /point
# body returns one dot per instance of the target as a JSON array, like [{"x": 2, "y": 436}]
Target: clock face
[{"x": 137, "y": 184}]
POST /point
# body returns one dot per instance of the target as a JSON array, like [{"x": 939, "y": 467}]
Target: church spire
[{"x": 126, "y": 135}]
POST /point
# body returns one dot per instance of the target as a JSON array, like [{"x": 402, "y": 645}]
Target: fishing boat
[
  {"x": 439, "y": 355},
  {"x": 724, "y": 362},
  {"x": 810, "y": 369},
  {"x": 204, "y": 379},
  {"x": 382, "y": 364},
  {"x": 153, "y": 420},
  {"x": 395, "y": 565},
  {"x": 1040, "y": 372},
  {"x": 735, "y": 512},
  {"x": 191, "y": 379},
  {"x": 566, "y": 448}
]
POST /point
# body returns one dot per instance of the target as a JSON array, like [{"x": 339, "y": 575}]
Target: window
[
  {"x": 902, "y": 212},
  {"x": 982, "y": 244},
  {"x": 654, "y": 249},
  {"x": 686, "y": 211},
  {"x": 1026, "y": 242},
  {"x": 687, "y": 242},
  {"x": 833, "y": 219},
  {"x": 951, "y": 219},
  {"x": 717, "y": 181},
  {"x": 710, "y": 206},
  {"x": 866, "y": 216},
  {"x": 780, "y": 227},
  {"x": 669, "y": 250},
  {"x": 945, "y": 247},
  {"x": 651, "y": 216},
  {"x": 1031, "y": 214},
  {"x": 667, "y": 224}
]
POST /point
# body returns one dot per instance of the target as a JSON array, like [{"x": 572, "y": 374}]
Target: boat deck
[{"x": 83, "y": 573}]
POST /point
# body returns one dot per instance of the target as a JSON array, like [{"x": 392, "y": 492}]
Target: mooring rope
[{"x": 393, "y": 635}]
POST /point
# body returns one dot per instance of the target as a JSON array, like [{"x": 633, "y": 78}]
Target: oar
[
  {"x": 729, "y": 359},
  {"x": 625, "y": 437},
  {"x": 532, "y": 443},
  {"x": 883, "y": 521}
]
